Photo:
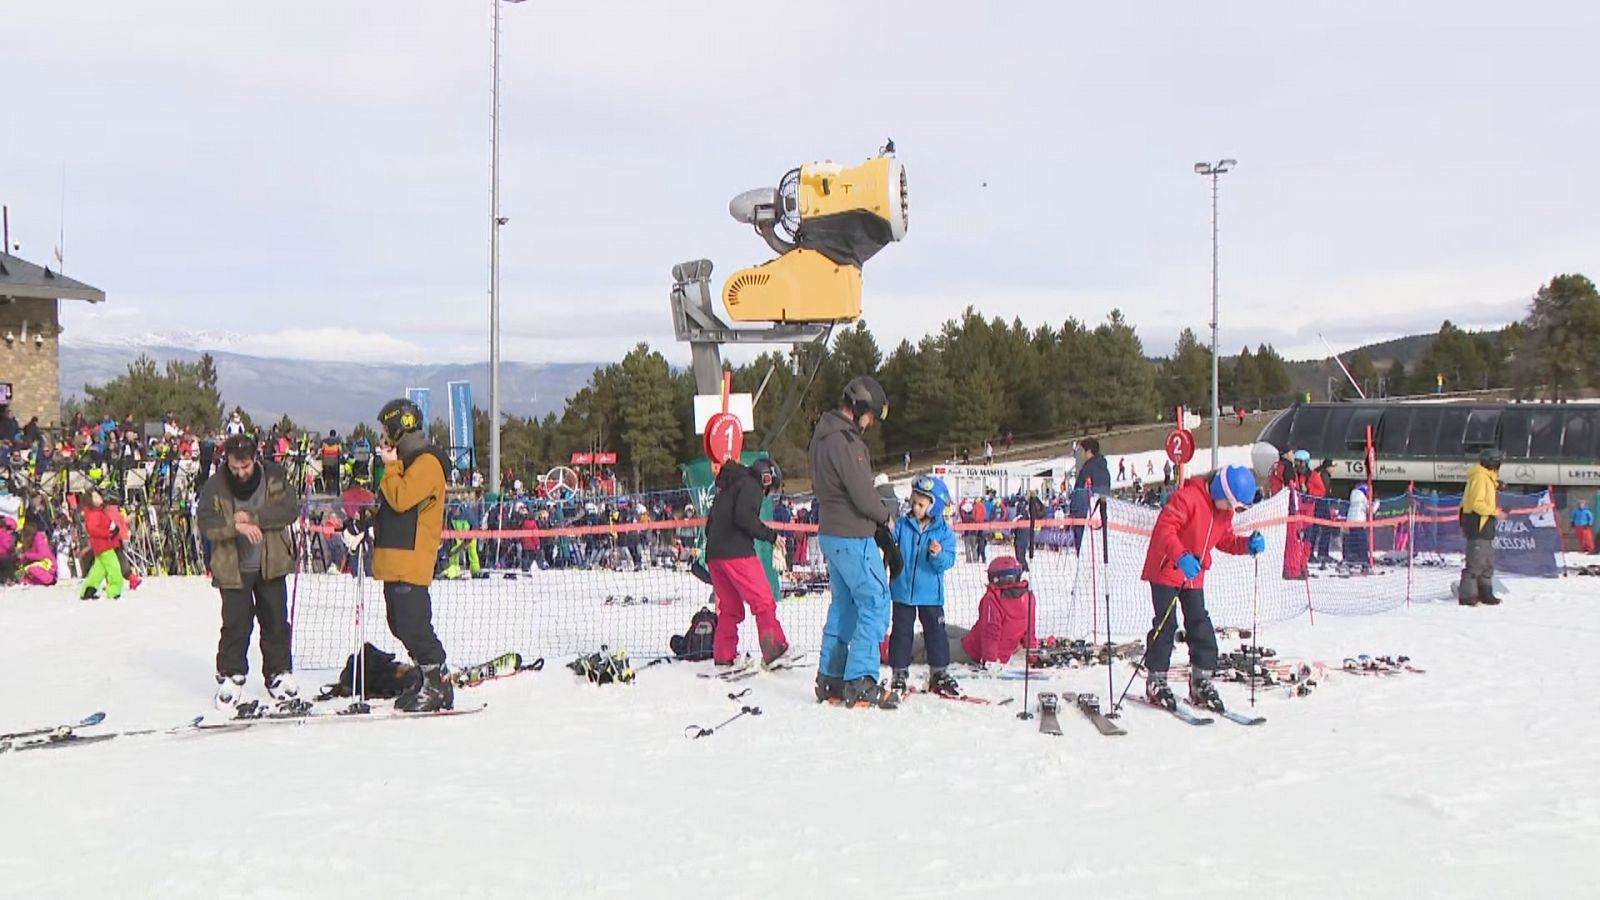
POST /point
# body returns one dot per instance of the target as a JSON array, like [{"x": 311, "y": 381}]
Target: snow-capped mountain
[{"x": 321, "y": 394}]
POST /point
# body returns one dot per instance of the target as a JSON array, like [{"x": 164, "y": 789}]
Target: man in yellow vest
[{"x": 1480, "y": 510}]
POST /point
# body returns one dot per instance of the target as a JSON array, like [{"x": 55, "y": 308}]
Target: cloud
[{"x": 314, "y": 170}]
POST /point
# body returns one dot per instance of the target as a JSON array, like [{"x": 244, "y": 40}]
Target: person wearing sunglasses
[{"x": 1197, "y": 519}]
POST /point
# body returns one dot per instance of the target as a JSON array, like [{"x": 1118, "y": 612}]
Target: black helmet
[
  {"x": 1491, "y": 457},
  {"x": 864, "y": 394},
  {"x": 399, "y": 417},
  {"x": 768, "y": 473}
]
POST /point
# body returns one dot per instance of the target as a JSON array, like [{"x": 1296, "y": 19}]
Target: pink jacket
[
  {"x": 38, "y": 550},
  {"x": 1005, "y": 620}
]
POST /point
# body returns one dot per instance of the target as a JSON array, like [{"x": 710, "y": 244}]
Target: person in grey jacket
[
  {"x": 853, "y": 531},
  {"x": 246, "y": 514}
]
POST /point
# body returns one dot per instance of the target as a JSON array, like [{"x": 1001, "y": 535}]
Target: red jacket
[
  {"x": 1190, "y": 523},
  {"x": 1317, "y": 487},
  {"x": 98, "y": 523},
  {"x": 1004, "y": 622}
]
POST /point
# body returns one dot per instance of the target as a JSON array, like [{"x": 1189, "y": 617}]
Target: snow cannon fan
[{"x": 824, "y": 220}]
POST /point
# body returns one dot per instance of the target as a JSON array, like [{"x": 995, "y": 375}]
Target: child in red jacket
[
  {"x": 1005, "y": 614},
  {"x": 1197, "y": 519},
  {"x": 107, "y": 528}
]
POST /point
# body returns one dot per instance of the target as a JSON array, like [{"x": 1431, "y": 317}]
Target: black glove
[
  {"x": 891, "y": 551},
  {"x": 698, "y": 570}
]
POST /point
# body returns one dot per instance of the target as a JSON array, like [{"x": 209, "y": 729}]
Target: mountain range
[
  {"x": 322, "y": 394},
  {"x": 327, "y": 394}
]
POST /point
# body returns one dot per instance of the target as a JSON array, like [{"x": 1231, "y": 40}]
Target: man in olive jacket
[
  {"x": 406, "y": 545},
  {"x": 246, "y": 514}
]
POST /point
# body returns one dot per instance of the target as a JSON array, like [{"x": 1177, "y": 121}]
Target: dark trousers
[
  {"x": 933, "y": 635},
  {"x": 1199, "y": 634},
  {"x": 1477, "y": 580},
  {"x": 330, "y": 478},
  {"x": 410, "y": 611},
  {"x": 1322, "y": 535},
  {"x": 259, "y": 600}
]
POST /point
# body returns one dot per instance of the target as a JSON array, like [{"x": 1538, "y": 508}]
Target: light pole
[
  {"x": 495, "y": 221},
  {"x": 1214, "y": 170}
]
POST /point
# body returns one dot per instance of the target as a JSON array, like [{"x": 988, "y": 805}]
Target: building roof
[{"x": 22, "y": 279}]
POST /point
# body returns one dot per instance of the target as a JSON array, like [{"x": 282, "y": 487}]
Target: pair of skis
[
  {"x": 1194, "y": 715},
  {"x": 1088, "y": 704},
  {"x": 66, "y": 734},
  {"x": 750, "y": 667}
]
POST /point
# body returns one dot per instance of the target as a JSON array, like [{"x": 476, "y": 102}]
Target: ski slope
[{"x": 1477, "y": 779}]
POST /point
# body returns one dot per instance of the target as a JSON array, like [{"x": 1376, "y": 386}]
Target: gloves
[
  {"x": 698, "y": 570},
  {"x": 891, "y": 551},
  {"x": 1258, "y": 542},
  {"x": 1189, "y": 566}
]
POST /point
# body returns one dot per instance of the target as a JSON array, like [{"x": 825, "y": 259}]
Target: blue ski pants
[{"x": 858, "y": 615}]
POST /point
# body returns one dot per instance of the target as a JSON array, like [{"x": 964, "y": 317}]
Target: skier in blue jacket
[{"x": 928, "y": 548}]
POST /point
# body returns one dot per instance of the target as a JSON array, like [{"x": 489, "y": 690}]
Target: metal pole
[
  {"x": 494, "y": 263},
  {"x": 1216, "y": 399}
]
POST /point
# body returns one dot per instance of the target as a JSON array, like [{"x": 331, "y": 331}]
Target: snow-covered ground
[{"x": 1477, "y": 779}]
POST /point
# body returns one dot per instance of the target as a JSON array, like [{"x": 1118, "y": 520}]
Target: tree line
[{"x": 971, "y": 381}]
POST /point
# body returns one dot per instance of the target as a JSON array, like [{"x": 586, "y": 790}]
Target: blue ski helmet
[
  {"x": 1303, "y": 456},
  {"x": 935, "y": 489},
  {"x": 1234, "y": 484}
]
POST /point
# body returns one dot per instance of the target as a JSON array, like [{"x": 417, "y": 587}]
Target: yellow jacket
[
  {"x": 410, "y": 518},
  {"x": 1481, "y": 497}
]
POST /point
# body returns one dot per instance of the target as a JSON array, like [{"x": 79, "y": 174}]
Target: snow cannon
[{"x": 824, "y": 220}]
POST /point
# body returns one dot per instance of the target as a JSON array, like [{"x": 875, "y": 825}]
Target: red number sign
[
  {"x": 1180, "y": 445},
  {"x": 724, "y": 438}
]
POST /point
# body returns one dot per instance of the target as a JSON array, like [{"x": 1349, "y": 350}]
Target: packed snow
[{"x": 1476, "y": 779}]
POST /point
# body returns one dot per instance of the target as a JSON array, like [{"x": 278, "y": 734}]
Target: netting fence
[{"x": 544, "y": 590}]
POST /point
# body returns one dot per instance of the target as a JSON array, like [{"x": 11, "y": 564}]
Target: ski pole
[
  {"x": 1149, "y": 640},
  {"x": 695, "y": 731},
  {"x": 1105, "y": 556},
  {"x": 1027, "y": 662},
  {"x": 1255, "y": 597}
]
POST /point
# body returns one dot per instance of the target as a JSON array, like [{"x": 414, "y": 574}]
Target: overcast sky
[{"x": 313, "y": 174}]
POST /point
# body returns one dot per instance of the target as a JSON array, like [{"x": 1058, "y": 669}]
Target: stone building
[{"x": 30, "y": 336}]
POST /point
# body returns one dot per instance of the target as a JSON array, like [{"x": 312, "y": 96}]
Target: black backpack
[
  {"x": 695, "y": 644},
  {"x": 380, "y": 672}
]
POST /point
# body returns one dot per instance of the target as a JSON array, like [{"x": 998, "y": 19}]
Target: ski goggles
[{"x": 923, "y": 485}]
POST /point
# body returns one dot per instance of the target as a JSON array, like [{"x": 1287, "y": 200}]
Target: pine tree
[
  {"x": 1561, "y": 333},
  {"x": 1186, "y": 377}
]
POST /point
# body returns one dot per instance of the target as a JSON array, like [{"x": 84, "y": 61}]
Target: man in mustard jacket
[
  {"x": 405, "y": 546},
  {"x": 1480, "y": 510}
]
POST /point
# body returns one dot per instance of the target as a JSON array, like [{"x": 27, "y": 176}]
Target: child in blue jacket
[{"x": 928, "y": 547}]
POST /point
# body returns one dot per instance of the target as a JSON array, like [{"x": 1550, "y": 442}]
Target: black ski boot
[
  {"x": 897, "y": 682},
  {"x": 1158, "y": 693},
  {"x": 434, "y": 693},
  {"x": 865, "y": 691},
  {"x": 941, "y": 682},
  {"x": 1202, "y": 693},
  {"x": 829, "y": 688}
]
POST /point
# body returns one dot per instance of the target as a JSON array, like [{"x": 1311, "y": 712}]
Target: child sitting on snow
[
  {"x": 1005, "y": 615},
  {"x": 928, "y": 547},
  {"x": 36, "y": 559}
]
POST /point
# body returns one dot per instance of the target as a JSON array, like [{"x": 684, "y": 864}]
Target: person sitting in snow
[{"x": 1005, "y": 615}]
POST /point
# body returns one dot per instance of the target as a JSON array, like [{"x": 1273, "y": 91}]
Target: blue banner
[
  {"x": 1526, "y": 539},
  {"x": 461, "y": 424},
  {"x": 423, "y": 398}
]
